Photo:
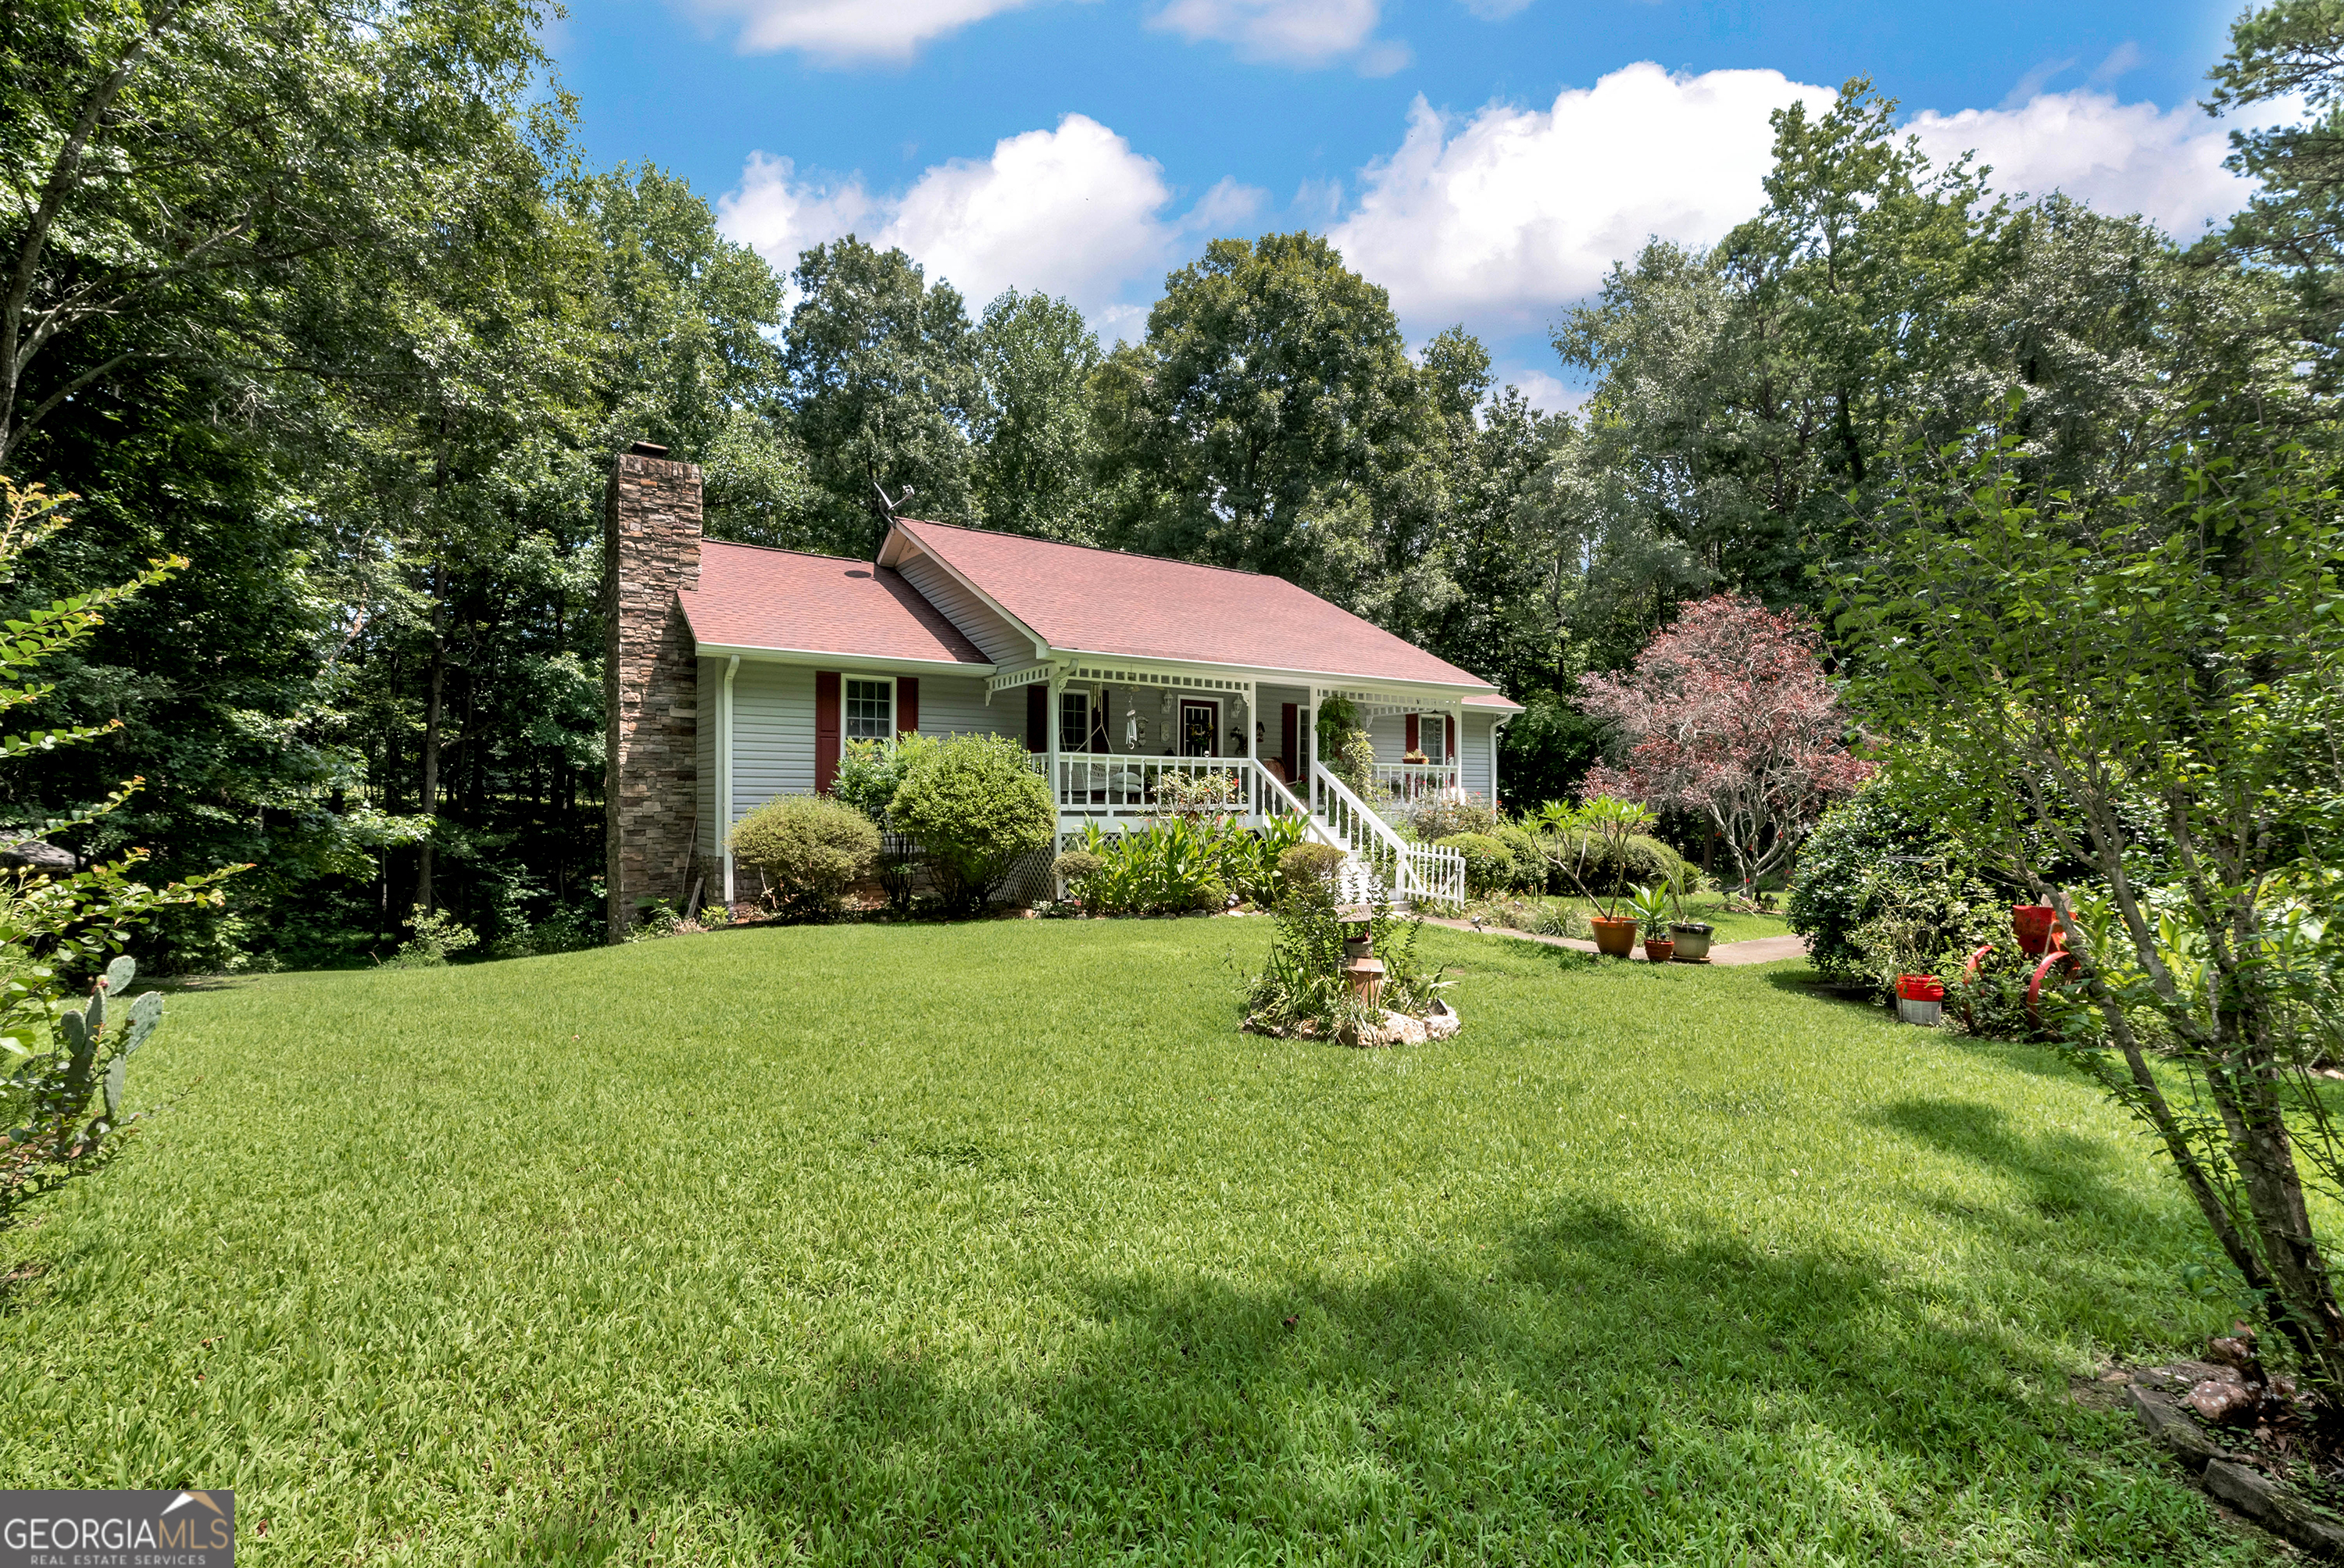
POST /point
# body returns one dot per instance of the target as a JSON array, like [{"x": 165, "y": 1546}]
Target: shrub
[
  {"x": 1437, "y": 817},
  {"x": 1078, "y": 869},
  {"x": 870, "y": 772},
  {"x": 1251, "y": 861},
  {"x": 436, "y": 935},
  {"x": 977, "y": 808},
  {"x": 1529, "y": 860},
  {"x": 1301, "y": 989},
  {"x": 1309, "y": 865},
  {"x": 1169, "y": 867},
  {"x": 1488, "y": 864},
  {"x": 811, "y": 849},
  {"x": 1877, "y": 885}
]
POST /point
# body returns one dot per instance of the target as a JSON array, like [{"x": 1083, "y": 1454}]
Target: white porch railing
[
  {"x": 1411, "y": 871},
  {"x": 1407, "y": 782},
  {"x": 1112, "y": 784}
]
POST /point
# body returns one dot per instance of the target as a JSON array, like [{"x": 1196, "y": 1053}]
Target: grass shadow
[{"x": 1583, "y": 1388}]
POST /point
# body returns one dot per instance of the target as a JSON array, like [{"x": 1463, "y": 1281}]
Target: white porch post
[
  {"x": 1309, "y": 780},
  {"x": 725, "y": 776},
  {"x": 1503, "y": 720},
  {"x": 1050, "y": 754}
]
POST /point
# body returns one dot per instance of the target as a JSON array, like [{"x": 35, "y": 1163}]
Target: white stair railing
[
  {"x": 1411, "y": 871},
  {"x": 1278, "y": 800}
]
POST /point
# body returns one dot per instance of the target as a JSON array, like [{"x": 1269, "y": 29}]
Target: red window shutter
[
  {"x": 825, "y": 730},
  {"x": 907, "y": 703},
  {"x": 1449, "y": 737},
  {"x": 1415, "y": 731}
]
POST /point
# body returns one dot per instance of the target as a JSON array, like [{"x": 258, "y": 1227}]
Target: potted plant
[
  {"x": 1921, "y": 999},
  {"x": 1587, "y": 839},
  {"x": 1650, "y": 906},
  {"x": 1691, "y": 937}
]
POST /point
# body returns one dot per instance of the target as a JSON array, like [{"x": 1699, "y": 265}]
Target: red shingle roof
[
  {"x": 754, "y": 598},
  {"x": 1082, "y": 600}
]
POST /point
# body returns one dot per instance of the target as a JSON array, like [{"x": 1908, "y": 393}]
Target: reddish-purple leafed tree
[{"x": 1728, "y": 713}]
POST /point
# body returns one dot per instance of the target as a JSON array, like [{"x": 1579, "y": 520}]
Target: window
[
  {"x": 1073, "y": 721},
  {"x": 870, "y": 710}
]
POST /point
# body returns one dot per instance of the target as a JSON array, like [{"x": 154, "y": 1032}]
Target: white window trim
[{"x": 895, "y": 708}]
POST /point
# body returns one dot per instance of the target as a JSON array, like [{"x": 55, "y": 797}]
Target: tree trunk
[{"x": 427, "y": 798}]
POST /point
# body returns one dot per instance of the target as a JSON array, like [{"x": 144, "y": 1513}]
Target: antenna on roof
[{"x": 887, "y": 508}]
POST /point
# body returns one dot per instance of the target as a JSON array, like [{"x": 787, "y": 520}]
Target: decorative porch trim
[{"x": 1033, "y": 674}]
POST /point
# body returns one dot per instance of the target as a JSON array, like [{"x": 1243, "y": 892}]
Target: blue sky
[{"x": 1483, "y": 159}]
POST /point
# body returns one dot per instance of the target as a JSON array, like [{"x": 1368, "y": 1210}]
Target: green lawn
[{"x": 996, "y": 1243}]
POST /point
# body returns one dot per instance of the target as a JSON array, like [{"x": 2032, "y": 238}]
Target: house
[{"x": 735, "y": 673}]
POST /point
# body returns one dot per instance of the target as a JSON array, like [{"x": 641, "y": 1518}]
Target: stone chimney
[{"x": 651, "y": 681}]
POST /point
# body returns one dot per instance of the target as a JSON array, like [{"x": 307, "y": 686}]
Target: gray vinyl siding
[
  {"x": 955, "y": 706},
  {"x": 703, "y": 756},
  {"x": 1272, "y": 715},
  {"x": 772, "y": 733},
  {"x": 1473, "y": 734},
  {"x": 773, "y": 725},
  {"x": 1390, "y": 732},
  {"x": 995, "y": 637}
]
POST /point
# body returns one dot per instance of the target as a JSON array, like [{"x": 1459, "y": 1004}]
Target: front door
[{"x": 1200, "y": 728}]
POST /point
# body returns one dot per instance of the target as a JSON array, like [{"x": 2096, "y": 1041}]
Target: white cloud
[
  {"x": 1497, "y": 218},
  {"x": 1521, "y": 210},
  {"x": 1073, "y": 211},
  {"x": 2164, "y": 164},
  {"x": 852, "y": 30},
  {"x": 1293, "y": 32}
]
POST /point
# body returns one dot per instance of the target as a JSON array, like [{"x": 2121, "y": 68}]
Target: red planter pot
[
  {"x": 1659, "y": 949},
  {"x": 1613, "y": 938},
  {"x": 1919, "y": 988},
  {"x": 2033, "y": 925}
]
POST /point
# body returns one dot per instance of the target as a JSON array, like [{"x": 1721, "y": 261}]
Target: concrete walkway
[{"x": 1758, "y": 950}]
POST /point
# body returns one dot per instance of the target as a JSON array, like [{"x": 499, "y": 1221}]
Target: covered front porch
[
  {"x": 1131, "y": 740},
  {"x": 1126, "y": 742}
]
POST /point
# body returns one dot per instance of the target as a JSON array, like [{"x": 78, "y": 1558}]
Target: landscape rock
[
  {"x": 2276, "y": 1506},
  {"x": 2232, "y": 1351},
  {"x": 2184, "y": 1438},
  {"x": 1399, "y": 1029},
  {"x": 2226, "y": 1401},
  {"x": 38, "y": 855}
]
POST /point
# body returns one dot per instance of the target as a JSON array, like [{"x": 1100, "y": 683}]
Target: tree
[
  {"x": 1270, "y": 420},
  {"x": 2150, "y": 691},
  {"x": 1037, "y": 444},
  {"x": 175, "y": 174},
  {"x": 1728, "y": 715},
  {"x": 57, "y": 925},
  {"x": 882, "y": 382},
  {"x": 684, "y": 320},
  {"x": 2290, "y": 52}
]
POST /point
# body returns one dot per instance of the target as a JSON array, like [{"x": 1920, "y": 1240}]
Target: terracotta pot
[
  {"x": 1613, "y": 938},
  {"x": 1659, "y": 949},
  {"x": 1692, "y": 941}
]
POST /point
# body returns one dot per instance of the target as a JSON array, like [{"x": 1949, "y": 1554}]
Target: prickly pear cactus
[
  {"x": 94, "y": 1017},
  {"x": 119, "y": 975},
  {"x": 144, "y": 1014},
  {"x": 116, "y": 1077}
]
